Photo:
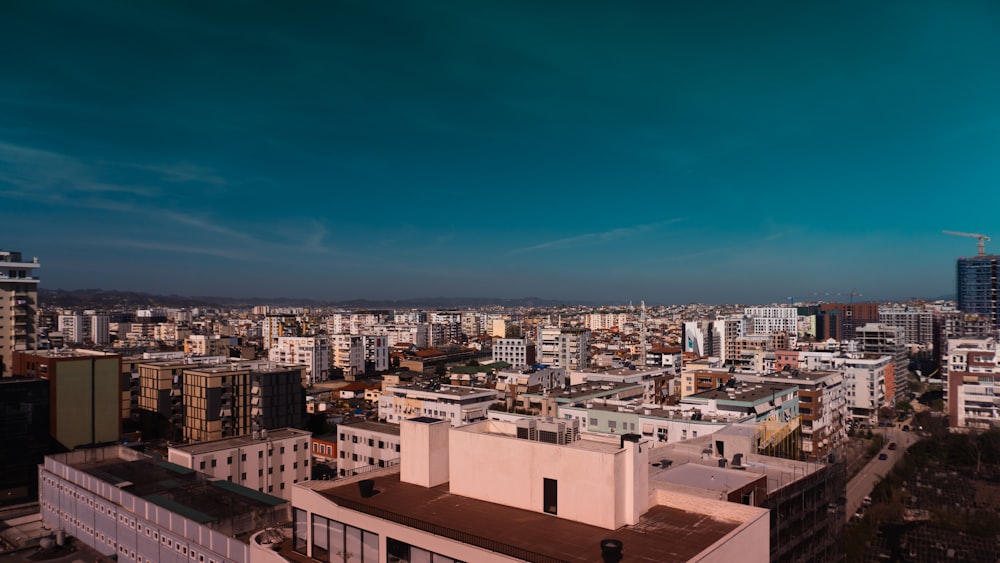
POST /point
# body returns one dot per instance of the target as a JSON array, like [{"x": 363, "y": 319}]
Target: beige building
[
  {"x": 269, "y": 461},
  {"x": 364, "y": 446},
  {"x": 85, "y": 393},
  {"x": 18, "y": 307},
  {"x": 482, "y": 493}
]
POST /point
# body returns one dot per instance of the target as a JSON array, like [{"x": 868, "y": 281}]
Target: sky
[{"x": 670, "y": 152}]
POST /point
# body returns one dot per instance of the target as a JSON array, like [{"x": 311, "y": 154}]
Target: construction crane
[{"x": 982, "y": 239}]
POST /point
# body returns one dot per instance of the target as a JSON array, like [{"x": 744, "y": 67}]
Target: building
[
  {"x": 131, "y": 507},
  {"x": 864, "y": 380},
  {"x": 564, "y": 347},
  {"x": 376, "y": 353},
  {"x": 917, "y": 324},
  {"x": 310, "y": 351},
  {"x": 970, "y": 371},
  {"x": 349, "y": 354},
  {"x": 977, "y": 286},
  {"x": 605, "y": 321},
  {"x": 514, "y": 351},
  {"x": 768, "y": 320},
  {"x": 207, "y": 345},
  {"x": 458, "y": 405},
  {"x": 85, "y": 393},
  {"x": 24, "y": 418},
  {"x": 669, "y": 357},
  {"x": 822, "y": 406},
  {"x": 839, "y": 320},
  {"x": 268, "y": 461},
  {"x": 362, "y": 446},
  {"x": 884, "y": 340},
  {"x": 490, "y": 493},
  {"x": 238, "y": 398},
  {"x": 18, "y": 308}
]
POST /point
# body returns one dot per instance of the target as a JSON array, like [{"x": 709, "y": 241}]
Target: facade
[
  {"x": 458, "y": 405},
  {"x": 514, "y": 351},
  {"x": 363, "y": 446},
  {"x": 605, "y": 321},
  {"x": 564, "y": 347},
  {"x": 822, "y": 407},
  {"x": 977, "y": 287},
  {"x": 237, "y": 398},
  {"x": 207, "y": 345},
  {"x": 129, "y": 506},
  {"x": 917, "y": 324},
  {"x": 348, "y": 354},
  {"x": 85, "y": 393},
  {"x": 669, "y": 357},
  {"x": 24, "y": 418},
  {"x": 970, "y": 373},
  {"x": 376, "y": 353},
  {"x": 512, "y": 498},
  {"x": 768, "y": 320},
  {"x": 310, "y": 351},
  {"x": 268, "y": 461},
  {"x": 18, "y": 308},
  {"x": 885, "y": 340},
  {"x": 418, "y": 334},
  {"x": 840, "y": 320},
  {"x": 865, "y": 384}
]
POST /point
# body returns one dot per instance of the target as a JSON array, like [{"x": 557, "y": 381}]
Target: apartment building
[
  {"x": 822, "y": 406},
  {"x": 659, "y": 384},
  {"x": 670, "y": 357},
  {"x": 85, "y": 393},
  {"x": 768, "y": 320},
  {"x": 605, "y": 321},
  {"x": 376, "y": 353},
  {"x": 514, "y": 351},
  {"x": 977, "y": 287},
  {"x": 417, "y": 334},
  {"x": 564, "y": 347},
  {"x": 18, "y": 307},
  {"x": 865, "y": 383},
  {"x": 458, "y": 405},
  {"x": 917, "y": 324},
  {"x": 348, "y": 354},
  {"x": 91, "y": 328},
  {"x": 876, "y": 338},
  {"x": 131, "y": 507},
  {"x": 363, "y": 446},
  {"x": 313, "y": 352},
  {"x": 268, "y": 461},
  {"x": 24, "y": 418},
  {"x": 237, "y": 398},
  {"x": 970, "y": 372},
  {"x": 489, "y": 493},
  {"x": 208, "y": 345}
]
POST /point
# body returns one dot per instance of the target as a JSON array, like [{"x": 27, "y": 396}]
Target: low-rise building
[
  {"x": 362, "y": 446},
  {"x": 458, "y": 405},
  {"x": 270, "y": 461}
]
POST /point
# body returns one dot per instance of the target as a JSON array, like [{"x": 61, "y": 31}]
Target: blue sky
[{"x": 666, "y": 151}]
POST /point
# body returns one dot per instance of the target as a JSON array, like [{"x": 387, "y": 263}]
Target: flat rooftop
[
  {"x": 380, "y": 427},
  {"x": 178, "y": 489},
  {"x": 448, "y": 390},
  {"x": 747, "y": 392},
  {"x": 240, "y": 441},
  {"x": 704, "y": 477},
  {"x": 664, "y": 534}
]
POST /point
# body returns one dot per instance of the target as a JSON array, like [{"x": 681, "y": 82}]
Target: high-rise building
[
  {"x": 18, "y": 307},
  {"x": 977, "y": 286},
  {"x": 564, "y": 347},
  {"x": 310, "y": 351}
]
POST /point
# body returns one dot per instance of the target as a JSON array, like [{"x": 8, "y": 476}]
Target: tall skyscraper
[
  {"x": 18, "y": 307},
  {"x": 977, "y": 286}
]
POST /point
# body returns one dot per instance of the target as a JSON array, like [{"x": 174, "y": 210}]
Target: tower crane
[{"x": 983, "y": 239}]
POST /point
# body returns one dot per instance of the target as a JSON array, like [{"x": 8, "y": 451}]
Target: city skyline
[{"x": 593, "y": 153}]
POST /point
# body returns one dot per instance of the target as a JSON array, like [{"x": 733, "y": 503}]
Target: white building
[
  {"x": 349, "y": 354},
  {"x": 269, "y": 461},
  {"x": 865, "y": 382},
  {"x": 972, "y": 382},
  {"x": 484, "y": 493},
  {"x": 768, "y": 320},
  {"x": 417, "y": 334},
  {"x": 514, "y": 351},
  {"x": 605, "y": 321},
  {"x": 363, "y": 446},
  {"x": 130, "y": 506},
  {"x": 563, "y": 347},
  {"x": 310, "y": 351},
  {"x": 458, "y": 405},
  {"x": 376, "y": 353},
  {"x": 917, "y": 324}
]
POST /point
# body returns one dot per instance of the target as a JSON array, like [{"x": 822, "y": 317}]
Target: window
[
  {"x": 243, "y": 477},
  {"x": 243, "y": 457},
  {"x": 202, "y": 465},
  {"x": 371, "y": 442},
  {"x": 593, "y": 422},
  {"x": 281, "y": 467},
  {"x": 213, "y": 463},
  {"x": 260, "y": 472},
  {"x": 260, "y": 454},
  {"x": 550, "y": 496},
  {"x": 229, "y": 460}
]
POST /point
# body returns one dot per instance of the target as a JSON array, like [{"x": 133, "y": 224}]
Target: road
[{"x": 862, "y": 484}]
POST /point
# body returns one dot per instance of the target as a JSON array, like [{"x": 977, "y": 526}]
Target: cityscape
[{"x": 499, "y": 281}]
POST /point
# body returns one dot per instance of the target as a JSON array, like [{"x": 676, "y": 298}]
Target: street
[{"x": 862, "y": 484}]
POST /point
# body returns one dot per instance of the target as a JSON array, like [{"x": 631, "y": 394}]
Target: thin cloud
[
  {"x": 206, "y": 225},
  {"x": 180, "y": 249},
  {"x": 596, "y": 237}
]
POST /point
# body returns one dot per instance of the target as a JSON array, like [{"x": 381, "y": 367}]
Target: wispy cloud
[
  {"x": 229, "y": 253},
  {"x": 206, "y": 225},
  {"x": 589, "y": 238}
]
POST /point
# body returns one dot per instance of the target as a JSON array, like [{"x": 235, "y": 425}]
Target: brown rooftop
[{"x": 663, "y": 534}]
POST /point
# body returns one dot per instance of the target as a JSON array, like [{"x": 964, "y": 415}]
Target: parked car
[
  {"x": 867, "y": 501},
  {"x": 892, "y": 446},
  {"x": 883, "y": 456},
  {"x": 906, "y": 428}
]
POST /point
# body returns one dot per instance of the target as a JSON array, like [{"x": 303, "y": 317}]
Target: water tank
[{"x": 611, "y": 550}]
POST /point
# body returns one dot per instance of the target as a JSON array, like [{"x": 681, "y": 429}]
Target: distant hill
[{"x": 125, "y": 300}]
